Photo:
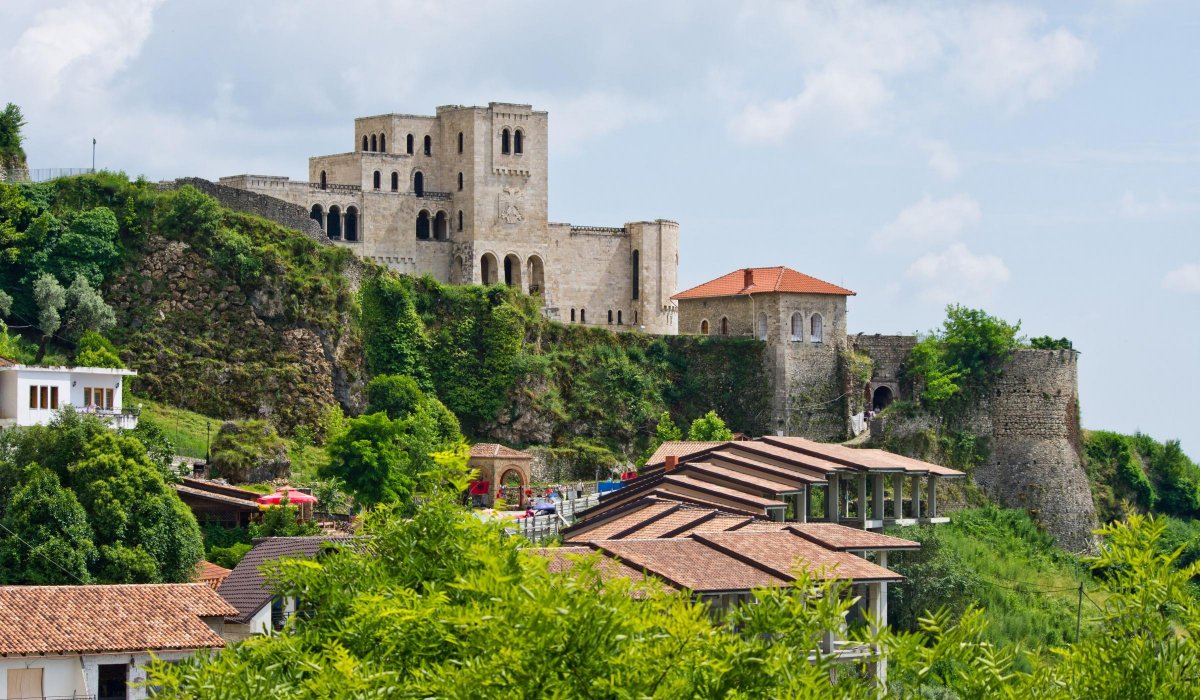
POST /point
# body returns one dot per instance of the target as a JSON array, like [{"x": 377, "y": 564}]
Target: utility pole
[
  {"x": 1078, "y": 612},
  {"x": 93, "y": 154},
  {"x": 207, "y": 441}
]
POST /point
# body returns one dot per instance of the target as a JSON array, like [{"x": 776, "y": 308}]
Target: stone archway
[{"x": 881, "y": 398}]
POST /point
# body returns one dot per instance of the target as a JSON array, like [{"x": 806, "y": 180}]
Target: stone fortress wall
[{"x": 462, "y": 196}]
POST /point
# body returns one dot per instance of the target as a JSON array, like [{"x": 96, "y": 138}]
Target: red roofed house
[
  {"x": 503, "y": 472},
  {"x": 802, "y": 320},
  {"x": 95, "y": 641}
]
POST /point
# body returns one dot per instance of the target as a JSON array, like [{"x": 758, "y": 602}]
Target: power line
[{"x": 32, "y": 550}]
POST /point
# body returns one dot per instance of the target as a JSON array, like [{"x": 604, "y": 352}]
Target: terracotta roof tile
[
  {"x": 782, "y": 551},
  {"x": 246, "y": 588},
  {"x": 118, "y": 618},
  {"x": 865, "y": 459},
  {"x": 565, "y": 558},
  {"x": 842, "y": 538},
  {"x": 762, "y": 280},
  {"x": 719, "y": 523},
  {"x": 211, "y": 574},
  {"x": 632, "y": 518},
  {"x": 490, "y": 449},
  {"x": 683, "y": 518},
  {"x": 187, "y": 492},
  {"x": 726, "y": 476},
  {"x": 678, "y": 448},
  {"x": 687, "y": 563},
  {"x": 708, "y": 489}
]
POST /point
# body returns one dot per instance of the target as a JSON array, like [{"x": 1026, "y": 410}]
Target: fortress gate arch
[
  {"x": 882, "y": 397},
  {"x": 318, "y": 215}
]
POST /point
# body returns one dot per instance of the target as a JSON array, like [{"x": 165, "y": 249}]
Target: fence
[
  {"x": 41, "y": 174},
  {"x": 569, "y": 509},
  {"x": 538, "y": 528}
]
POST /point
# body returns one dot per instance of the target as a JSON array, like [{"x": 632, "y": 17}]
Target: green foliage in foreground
[
  {"x": 444, "y": 605},
  {"x": 81, "y": 503}
]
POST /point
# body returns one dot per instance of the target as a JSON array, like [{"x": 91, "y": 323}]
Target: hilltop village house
[
  {"x": 462, "y": 196},
  {"x": 33, "y": 395},
  {"x": 96, "y": 641}
]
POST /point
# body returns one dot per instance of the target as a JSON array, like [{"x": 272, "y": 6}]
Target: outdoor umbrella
[{"x": 294, "y": 496}]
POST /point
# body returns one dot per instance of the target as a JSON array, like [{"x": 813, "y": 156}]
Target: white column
[
  {"x": 916, "y": 496},
  {"x": 862, "y": 499},
  {"x": 877, "y": 508},
  {"x": 879, "y": 620},
  {"x": 933, "y": 482},
  {"x": 898, "y": 496}
]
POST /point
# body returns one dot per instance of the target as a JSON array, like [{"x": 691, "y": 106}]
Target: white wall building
[{"x": 32, "y": 395}]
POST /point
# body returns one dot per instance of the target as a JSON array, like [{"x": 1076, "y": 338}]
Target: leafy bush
[
  {"x": 283, "y": 521},
  {"x": 249, "y": 450},
  {"x": 964, "y": 356},
  {"x": 709, "y": 427},
  {"x": 1139, "y": 471},
  {"x": 229, "y": 557},
  {"x": 1045, "y": 342}
]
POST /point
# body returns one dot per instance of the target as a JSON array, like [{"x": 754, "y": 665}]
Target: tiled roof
[
  {"x": 781, "y": 552},
  {"x": 224, "y": 489},
  {"x": 842, "y": 538},
  {"x": 564, "y": 558},
  {"x": 868, "y": 459},
  {"x": 491, "y": 449},
  {"x": 678, "y": 448},
  {"x": 633, "y": 517},
  {"x": 186, "y": 492},
  {"x": 5, "y": 362},
  {"x": 246, "y": 587},
  {"x": 102, "y": 619},
  {"x": 718, "y": 523},
  {"x": 762, "y": 279},
  {"x": 726, "y": 476},
  {"x": 687, "y": 563},
  {"x": 710, "y": 490},
  {"x": 681, "y": 519},
  {"x": 210, "y": 574}
]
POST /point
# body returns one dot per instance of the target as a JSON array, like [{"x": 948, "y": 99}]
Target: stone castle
[{"x": 462, "y": 196}]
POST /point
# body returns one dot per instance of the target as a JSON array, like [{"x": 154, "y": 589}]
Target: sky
[{"x": 1039, "y": 161}]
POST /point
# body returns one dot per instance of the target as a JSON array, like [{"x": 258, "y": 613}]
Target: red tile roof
[
  {"x": 102, "y": 619},
  {"x": 842, "y": 538},
  {"x": 687, "y": 563},
  {"x": 863, "y": 459},
  {"x": 762, "y": 279},
  {"x": 566, "y": 558},
  {"x": 678, "y": 448},
  {"x": 211, "y": 574},
  {"x": 782, "y": 552},
  {"x": 489, "y": 449}
]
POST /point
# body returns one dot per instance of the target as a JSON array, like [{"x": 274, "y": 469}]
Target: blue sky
[{"x": 1041, "y": 161}]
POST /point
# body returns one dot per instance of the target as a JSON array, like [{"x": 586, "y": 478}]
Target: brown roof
[
  {"x": 762, "y": 279},
  {"x": 224, "y": 489},
  {"x": 682, "y": 519},
  {"x": 678, "y": 448},
  {"x": 187, "y": 492},
  {"x": 491, "y": 449},
  {"x": 633, "y": 516},
  {"x": 842, "y": 538},
  {"x": 716, "y": 491},
  {"x": 211, "y": 574},
  {"x": 688, "y": 563},
  {"x": 246, "y": 587},
  {"x": 5, "y": 362},
  {"x": 719, "y": 523},
  {"x": 866, "y": 459},
  {"x": 565, "y": 558},
  {"x": 723, "y": 475},
  {"x": 100, "y": 619},
  {"x": 781, "y": 552}
]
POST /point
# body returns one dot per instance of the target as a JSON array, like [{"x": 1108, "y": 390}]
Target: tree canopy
[
  {"x": 12, "y": 150},
  {"x": 709, "y": 428}
]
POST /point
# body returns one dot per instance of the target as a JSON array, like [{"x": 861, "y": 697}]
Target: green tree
[
  {"x": 397, "y": 396},
  {"x": 370, "y": 459},
  {"x": 94, "y": 350},
  {"x": 249, "y": 450},
  {"x": 86, "y": 310},
  {"x": 963, "y": 357},
  {"x": 12, "y": 151},
  {"x": 45, "y": 537},
  {"x": 709, "y": 428},
  {"x": 87, "y": 246},
  {"x": 50, "y": 298}
]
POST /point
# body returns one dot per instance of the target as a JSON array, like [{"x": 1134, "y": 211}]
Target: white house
[
  {"x": 96, "y": 641},
  {"x": 33, "y": 395}
]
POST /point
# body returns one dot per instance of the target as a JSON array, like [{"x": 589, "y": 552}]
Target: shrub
[{"x": 249, "y": 451}]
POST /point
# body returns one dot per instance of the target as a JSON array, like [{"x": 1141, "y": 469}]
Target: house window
[
  {"x": 797, "y": 327},
  {"x": 619, "y": 321},
  {"x": 636, "y": 273},
  {"x": 583, "y": 315},
  {"x": 408, "y": 145},
  {"x": 376, "y": 180},
  {"x": 724, "y": 325},
  {"x": 374, "y": 143},
  {"x": 572, "y": 315},
  {"x": 460, "y": 182},
  {"x": 504, "y": 138},
  {"x": 365, "y": 143},
  {"x": 33, "y": 397},
  {"x": 610, "y": 317},
  {"x": 383, "y": 143},
  {"x": 395, "y": 181},
  {"x": 460, "y": 219},
  {"x": 98, "y": 398},
  {"x": 816, "y": 328},
  {"x": 25, "y": 682},
  {"x": 44, "y": 392},
  {"x": 54, "y": 398}
]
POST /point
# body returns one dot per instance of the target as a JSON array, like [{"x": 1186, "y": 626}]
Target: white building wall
[{"x": 67, "y": 676}]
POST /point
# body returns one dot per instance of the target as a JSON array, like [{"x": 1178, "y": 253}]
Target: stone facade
[
  {"x": 804, "y": 334},
  {"x": 462, "y": 196},
  {"x": 888, "y": 353}
]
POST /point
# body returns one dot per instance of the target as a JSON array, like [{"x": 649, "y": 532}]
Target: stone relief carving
[{"x": 509, "y": 210}]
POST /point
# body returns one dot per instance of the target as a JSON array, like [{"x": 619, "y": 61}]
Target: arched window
[
  {"x": 724, "y": 325},
  {"x": 460, "y": 142},
  {"x": 324, "y": 184},
  {"x": 537, "y": 274},
  {"x": 504, "y": 137},
  {"x": 351, "y": 223},
  {"x": 395, "y": 181},
  {"x": 636, "y": 273},
  {"x": 572, "y": 315},
  {"x": 762, "y": 327},
  {"x": 374, "y": 144},
  {"x": 334, "y": 222},
  {"x": 797, "y": 327},
  {"x": 365, "y": 143},
  {"x": 583, "y": 315},
  {"x": 518, "y": 141},
  {"x": 610, "y": 317},
  {"x": 704, "y": 327},
  {"x": 408, "y": 145},
  {"x": 460, "y": 182},
  {"x": 619, "y": 321},
  {"x": 318, "y": 215},
  {"x": 428, "y": 145},
  {"x": 512, "y": 271},
  {"x": 375, "y": 180},
  {"x": 419, "y": 183},
  {"x": 460, "y": 219},
  {"x": 816, "y": 328},
  {"x": 383, "y": 143},
  {"x": 423, "y": 226},
  {"x": 487, "y": 268},
  {"x": 441, "y": 226}
]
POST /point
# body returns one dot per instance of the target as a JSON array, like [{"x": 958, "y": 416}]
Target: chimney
[
  {"x": 672, "y": 462},
  {"x": 748, "y": 276}
]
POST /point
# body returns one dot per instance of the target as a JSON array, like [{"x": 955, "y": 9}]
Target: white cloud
[
  {"x": 1134, "y": 207},
  {"x": 849, "y": 53},
  {"x": 1005, "y": 57},
  {"x": 1185, "y": 278},
  {"x": 576, "y": 119},
  {"x": 929, "y": 222},
  {"x": 80, "y": 45},
  {"x": 836, "y": 98},
  {"x": 941, "y": 159},
  {"x": 957, "y": 275}
]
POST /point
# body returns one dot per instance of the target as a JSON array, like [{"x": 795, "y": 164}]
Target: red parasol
[{"x": 295, "y": 497}]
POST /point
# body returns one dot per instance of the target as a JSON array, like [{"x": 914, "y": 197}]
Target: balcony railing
[
  {"x": 41, "y": 174},
  {"x": 434, "y": 195},
  {"x": 335, "y": 188}
]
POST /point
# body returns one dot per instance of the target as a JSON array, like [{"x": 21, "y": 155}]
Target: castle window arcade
[
  {"x": 351, "y": 225},
  {"x": 366, "y": 144},
  {"x": 419, "y": 183},
  {"x": 518, "y": 142},
  {"x": 504, "y": 141},
  {"x": 423, "y": 226},
  {"x": 460, "y": 220},
  {"x": 375, "y": 180},
  {"x": 395, "y": 181},
  {"x": 383, "y": 143},
  {"x": 797, "y": 327},
  {"x": 408, "y": 146},
  {"x": 460, "y": 142},
  {"x": 374, "y": 144},
  {"x": 428, "y": 145},
  {"x": 318, "y": 215},
  {"x": 441, "y": 227},
  {"x": 324, "y": 183},
  {"x": 334, "y": 225}
]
